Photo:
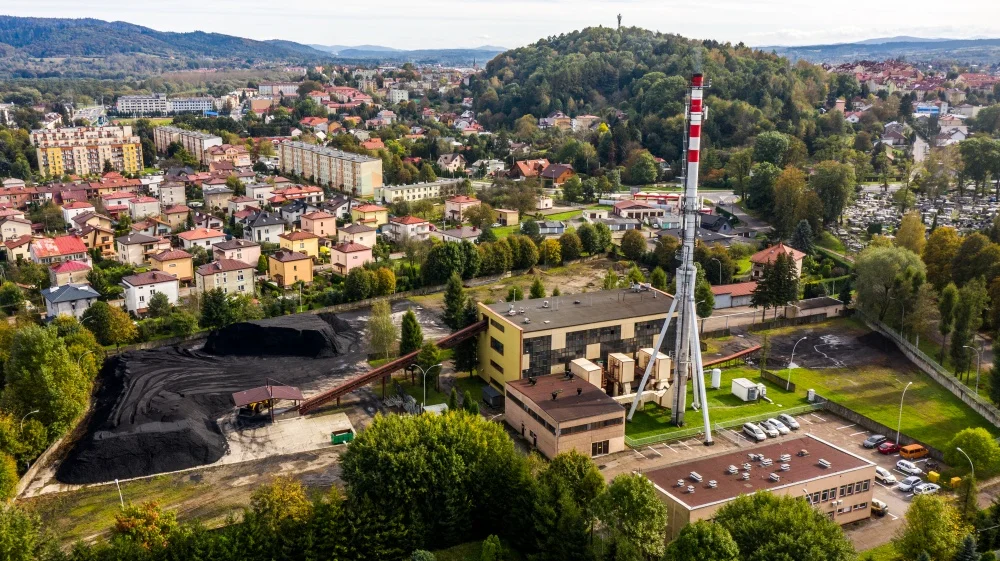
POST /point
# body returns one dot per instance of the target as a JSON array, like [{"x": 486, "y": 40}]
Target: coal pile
[
  {"x": 157, "y": 410},
  {"x": 299, "y": 335}
]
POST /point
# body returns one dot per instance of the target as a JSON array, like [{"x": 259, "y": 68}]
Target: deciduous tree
[
  {"x": 633, "y": 245},
  {"x": 382, "y": 332},
  {"x": 633, "y": 514},
  {"x": 703, "y": 541},
  {"x": 834, "y": 183},
  {"x": 550, "y": 252},
  {"x": 570, "y": 245},
  {"x": 911, "y": 233},
  {"x": 939, "y": 254},
  {"x": 932, "y": 525}
]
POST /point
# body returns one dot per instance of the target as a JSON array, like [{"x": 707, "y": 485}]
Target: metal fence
[{"x": 695, "y": 431}]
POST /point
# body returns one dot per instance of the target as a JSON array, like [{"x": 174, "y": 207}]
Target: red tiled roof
[
  {"x": 77, "y": 204},
  {"x": 350, "y": 248},
  {"x": 222, "y": 266},
  {"x": 172, "y": 254},
  {"x": 461, "y": 199},
  {"x": 54, "y": 247},
  {"x": 17, "y": 242},
  {"x": 70, "y": 267},
  {"x": 149, "y": 277},
  {"x": 738, "y": 289},
  {"x": 177, "y": 209},
  {"x": 298, "y": 235},
  {"x": 407, "y": 220},
  {"x": 284, "y": 255},
  {"x": 768, "y": 255},
  {"x": 139, "y": 200},
  {"x": 369, "y": 208},
  {"x": 118, "y": 195},
  {"x": 200, "y": 234},
  {"x": 317, "y": 215}
]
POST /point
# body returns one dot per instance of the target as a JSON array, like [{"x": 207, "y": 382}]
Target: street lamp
[
  {"x": 120, "y": 496},
  {"x": 899, "y": 423},
  {"x": 720, "y": 268},
  {"x": 424, "y": 374},
  {"x": 968, "y": 488},
  {"x": 26, "y": 416},
  {"x": 979, "y": 363},
  {"x": 788, "y": 382}
]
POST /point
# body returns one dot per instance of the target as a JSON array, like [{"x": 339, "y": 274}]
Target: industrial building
[
  {"x": 836, "y": 482},
  {"x": 544, "y": 336},
  {"x": 84, "y": 150},
  {"x": 350, "y": 173},
  {"x": 563, "y": 412},
  {"x": 195, "y": 142}
]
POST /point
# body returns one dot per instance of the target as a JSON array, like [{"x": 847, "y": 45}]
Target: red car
[{"x": 888, "y": 448}]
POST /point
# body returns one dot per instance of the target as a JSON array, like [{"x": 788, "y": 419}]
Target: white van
[{"x": 754, "y": 432}]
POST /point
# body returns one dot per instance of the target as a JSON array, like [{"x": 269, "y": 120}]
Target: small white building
[
  {"x": 73, "y": 209},
  {"x": 139, "y": 289},
  {"x": 69, "y": 300},
  {"x": 401, "y": 227},
  {"x": 203, "y": 237},
  {"x": 733, "y": 295},
  {"x": 141, "y": 207}
]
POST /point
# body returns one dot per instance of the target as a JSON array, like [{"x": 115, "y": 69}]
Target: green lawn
[
  {"x": 884, "y": 552},
  {"x": 829, "y": 241},
  {"x": 568, "y": 215},
  {"x": 744, "y": 266},
  {"x": 723, "y": 406},
  {"x": 504, "y": 231}
]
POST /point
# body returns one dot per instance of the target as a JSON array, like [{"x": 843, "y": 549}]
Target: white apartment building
[
  {"x": 278, "y": 88},
  {"x": 229, "y": 275},
  {"x": 347, "y": 172},
  {"x": 195, "y": 142},
  {"x": 139, "y": 289},
  {"x": 418, "y": 191},
  {"x": 398, "y": 96},
  {"x": 160, "y": 104}
]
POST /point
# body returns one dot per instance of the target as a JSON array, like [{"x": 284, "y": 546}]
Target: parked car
[
  {"x": 789, "y": 421},
  {"x": 778, "y": 426},
  {"x": 874, "y": 440},
  {"x": 754, "y": 432},
  {"x": 884, "y": 476},
  {"x": 913, "y": 451},
  {"x": 770, "y": 431},
  {"x": 909, "y": 483},
  {"x": 888, "y": 448},
  {"x": 908, "y": 467},
  {"x": 926, "y": 489},
  {"x": 879, "y": 508}
]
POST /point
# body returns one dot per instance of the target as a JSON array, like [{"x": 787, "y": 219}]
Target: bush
[{"x": 8, "y": 477}]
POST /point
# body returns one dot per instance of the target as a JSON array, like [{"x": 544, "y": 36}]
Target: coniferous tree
[
  {"x": 411, "y": 336},
  {"x": 802, "y": 238},
  {"x": 454, "y": 302},
  {"x": 537, "y": 288}
]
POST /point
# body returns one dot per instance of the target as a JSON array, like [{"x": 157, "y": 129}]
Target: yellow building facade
[{"x": 85, "y": 150}]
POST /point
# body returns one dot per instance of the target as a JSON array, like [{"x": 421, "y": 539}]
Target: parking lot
[{"x": 849, "y": 436}]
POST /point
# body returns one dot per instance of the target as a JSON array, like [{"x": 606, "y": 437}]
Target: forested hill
[
  {"x": 645, "y": 73},
  {"x": 59, "y": 37}
]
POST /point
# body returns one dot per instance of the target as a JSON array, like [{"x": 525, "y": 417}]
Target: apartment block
[
  {"x": 84, "y": 150},
  {"x": 159, "y": 104},
  {"x": 350, "y": 173},
  {"x": 195, "y": 142}
]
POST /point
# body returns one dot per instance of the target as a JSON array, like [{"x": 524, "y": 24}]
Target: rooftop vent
[
  {"x": 531, "y": 380},
  {"x": 520, "y": 310},
  {"x": 579, "y": 391},
  {"x": 576, "y": 301},
  {"x": 695, "y": 476},
  {"x": 746, "y": 466},
  {"x": 527, "y": 320},
  {"x": 786, "y": 467},
  {"x": 680, "y": 482},
  {"x": 803, "y": 453},
  {"x": 774, "y": 477},
  {"x": 731, "y": 470},
  {"x": 824, "y": 463},
  {"x": 690, "y": 489},
  {"x": 785, "y": 457},
  {"x": 545, "y": 304},
  {"x": 766, "y": 462},
  {"x": 712, "y": 484},
  {"x": 745, "y": 476},
  {"x": 555, "y": 394}
]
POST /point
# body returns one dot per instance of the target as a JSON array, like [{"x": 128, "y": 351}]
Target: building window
[
  {"x": 496, "y": 366},
  {"x": 497, "y": 325},
  {"x": 496, "y": 345},
  {"x": 600, "y": 448},
  {"x": 826, "y": 496}
]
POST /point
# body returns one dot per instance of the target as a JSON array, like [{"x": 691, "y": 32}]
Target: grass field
[
  {"x": 723, "y": 406},
  {"x": 884, "y": 552},
  {"x": 829, "y": 241},
  {"x": 156, "y": 121}
]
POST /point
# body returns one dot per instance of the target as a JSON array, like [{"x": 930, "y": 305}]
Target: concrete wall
[{"x": 875, "y": 427}]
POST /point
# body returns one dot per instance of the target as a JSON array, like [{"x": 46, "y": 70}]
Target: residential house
[
  {"x": 264, "y": 227},
  {"x": 322, "y": 224},
  {"x": 558, "y": 120},
  {"x": 506, "y": 217},
  {"x": 68, "y": 272},
  {"x": 551, "y": 228},
  {"x": 452, "y": 163},
  {"x": 373, "y": 144},
  {"x": 358, "y": 233},
  {"x": 46, "y": 251},
  {"x": 141, "y": 207},
  {"x": 99, "y": 238},
  {"x": 236, "y": 154},
  {"x": 293, "y": 211},
  {"x": 557, "y": 174},
  {"x": 177, "y": 262},
  {"x": 765, "y": 256},
  {"x": 216, "y": 197},
  {"x": 237, "y": 204},
  {"x": 408, "y": 227},
  {"x": 526, "y": 169},
  {"x": 240, "y": 250},
  {"x": 733, "y": 295},
  {"x": 455, "y": 207},
  {"x": 288, "y": 267},
  {"x": 347, "y": 256},
  {"x": 69, "y": 299},
  {"x": 260, "y": 192},
  {"x": 207, "y": 221},
  {"x": 301, "y": 242},
  {"x": 339, "y": 206},
  {"x": 73, "y": 209},
  {"x": 140, "y": 289},
  {"x": 638, "y": 210},
  {"x": 306, "y": 193},
  {"x": 116, "y": 203},
  {"x": 135, "y": 249},
  {"x": 176, "y": 215},
  {"x": 544, "y": 203},
  {"x": 12, "y": 228},
  {"x": 460, "y": 234},
  {"x": 152, "y": 226},
  {"x": 18, "y": 249},
  {"x": 371, "y": 215},
  {"x": 231, "y": 276},
  {"x": 172, "y": 193},
  {"x": 202, "y": 237},
  {"x": 92, "y": 219},
  {"x": 716, "y": 223}
]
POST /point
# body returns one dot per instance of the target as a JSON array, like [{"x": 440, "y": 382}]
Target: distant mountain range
[
  {"x": 914, "y": 49},
  {"x": 52, "y": 38}
]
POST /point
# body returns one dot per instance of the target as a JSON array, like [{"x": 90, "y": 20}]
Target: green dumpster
[{"x": 342, "y": 436}]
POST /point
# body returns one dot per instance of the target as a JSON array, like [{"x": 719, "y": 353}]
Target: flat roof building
[
  {"x": 195, "y": 142},
  {"x": 563, "y": 412},
  {"x": 347, "y": 172},
  {"x": 542, "y": 336},
  {"x": 85, "y": 150},
  {"x": 836, "y": 482}
]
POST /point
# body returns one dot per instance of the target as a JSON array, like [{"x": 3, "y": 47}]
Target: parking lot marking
[
  {"x": 877, "y": 483},
  {"x": 640, "y": 453},
  {"x": 846, "y": 426},
  {"x": 857, "y": 433},
  {"x": 671, "y": 447},
  {"x": 804, "y": 420},
  {"x": 818, "y": 417},
  {"x": 655, "y": 451},
  {"x": 685, "y": 445},
  {"x": 894, "y": 517}
]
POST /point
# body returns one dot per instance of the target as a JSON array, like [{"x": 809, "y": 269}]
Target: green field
[{"x": 827, "y": 240}]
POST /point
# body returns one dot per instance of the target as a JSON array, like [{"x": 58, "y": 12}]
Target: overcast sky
[{"x": 510, "y": 23}]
